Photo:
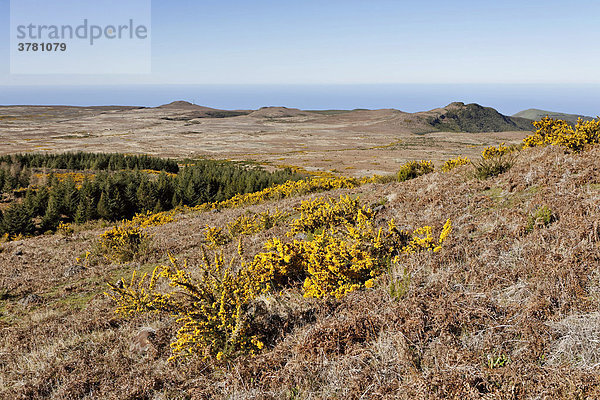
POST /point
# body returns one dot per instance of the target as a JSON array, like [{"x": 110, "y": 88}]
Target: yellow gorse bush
[
  {"x": 254, "y": 223},
  {"x": 413, "y": 169},
  {"x": 493, "y": 152},
  {"x": 148, "y": 219},
  {"x": 243, "y": 225},
  {"x": 449, "y": 165},
  {"x": 65, "y": 229},
  {"x": 209, "y": 309},
  {"x": 77, "y": 177},
  {"x": 422, "y": 239},
  {"x": 333, "y": 263},
  {"x": 287, "y": 189},
  {"x": 323, "y": 212},
  {"x": 216, "y": 236},
  {"x": 122, "y": 242},
  {"x": 378, "y": 179},
  {"x": 341, "y": 252},
  {"x": 557, "y": 132}
]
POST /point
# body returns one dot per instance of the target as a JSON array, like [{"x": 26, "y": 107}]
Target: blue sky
[{"x": 351, "y": 41}]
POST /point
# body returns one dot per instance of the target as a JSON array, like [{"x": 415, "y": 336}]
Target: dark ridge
[{"x": 460, "y": 117}]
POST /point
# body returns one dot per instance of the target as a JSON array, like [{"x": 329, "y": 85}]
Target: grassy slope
[
  {"x": 536, "y": 115},
  {"x": 494, "y": 293}
]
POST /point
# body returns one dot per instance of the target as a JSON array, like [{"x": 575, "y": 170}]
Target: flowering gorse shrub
[
  {"x": 557, "y": 132},
  {"x": 495, "y": 152},
  {"x": 216, "y": 236},
  {"x": 254, "y": 223},
  {"x": 65, "y": 229},
  {"x": 344, "y": 252},
  {"x": 148, "y": 219},
  {"x": 378, "y": 179},
  {"x": 124, "y": 241},
  {"x": 413, "y": 169},
  {"x": 449, "y": 165},
  {"x": 208, "y": 307},
  {"x": 243, "y": 225},
  {"x": 495, "y": 161},
  {"x": 323, "y": 212},
  {"x": 422, "y": 239},
  {"x": 287, "y": 189}
]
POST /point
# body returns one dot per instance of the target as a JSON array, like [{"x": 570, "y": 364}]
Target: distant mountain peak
[
  {"x": 184, "y": 105},
  {"x": 461, "y": 117},
  {"x": 278, "y": 112},
  {"x": 456, "y": 104}
]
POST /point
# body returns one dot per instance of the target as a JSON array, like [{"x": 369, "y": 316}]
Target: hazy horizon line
[{"x": 410, "y": 97}]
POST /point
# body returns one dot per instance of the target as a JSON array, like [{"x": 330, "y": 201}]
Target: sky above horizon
[{"x": 355, "y": 41}]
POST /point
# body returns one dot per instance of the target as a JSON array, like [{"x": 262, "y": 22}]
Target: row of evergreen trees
[
  {"x": 15, "y": 169},
  {"x": 118, "y": 195},
  {"x": 94, "y": 161},
  {"x": 13, "y": 177}
]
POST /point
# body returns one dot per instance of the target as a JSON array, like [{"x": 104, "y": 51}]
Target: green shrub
[
  {"x": 493, "y": 165},
  {"x": 542, "y": 217}
]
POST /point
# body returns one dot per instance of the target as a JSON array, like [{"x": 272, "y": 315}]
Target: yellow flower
[{"x": 455, "y": 162}]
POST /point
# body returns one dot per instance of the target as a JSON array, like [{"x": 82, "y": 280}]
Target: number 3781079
[{"x": 42, "y": 47}]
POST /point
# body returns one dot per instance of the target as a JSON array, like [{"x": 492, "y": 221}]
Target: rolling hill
[
  {"x": 535, "y": 114},
  {"x": 461, "y": 117}
]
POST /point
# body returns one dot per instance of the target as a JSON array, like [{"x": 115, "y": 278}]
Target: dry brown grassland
[{"x": 507, "y": 310}]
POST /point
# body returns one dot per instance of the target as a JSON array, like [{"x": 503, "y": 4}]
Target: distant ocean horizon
[{"x": 507, "y": 99}]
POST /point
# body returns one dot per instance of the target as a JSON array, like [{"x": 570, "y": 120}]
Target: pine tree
[
  {"x": 16, "y": 220},
  {"x": 41, "y": 201},
  {"x": 191, "y": 195},
  {"x": 81, "y": 212},
  {"x": 52, "y": 216},
  {"x": 30, "y": 202},
  {"x": 69, "y": 197},
  {"x": 146, "y": 198},
  {"x": 103, "y": 209}
]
